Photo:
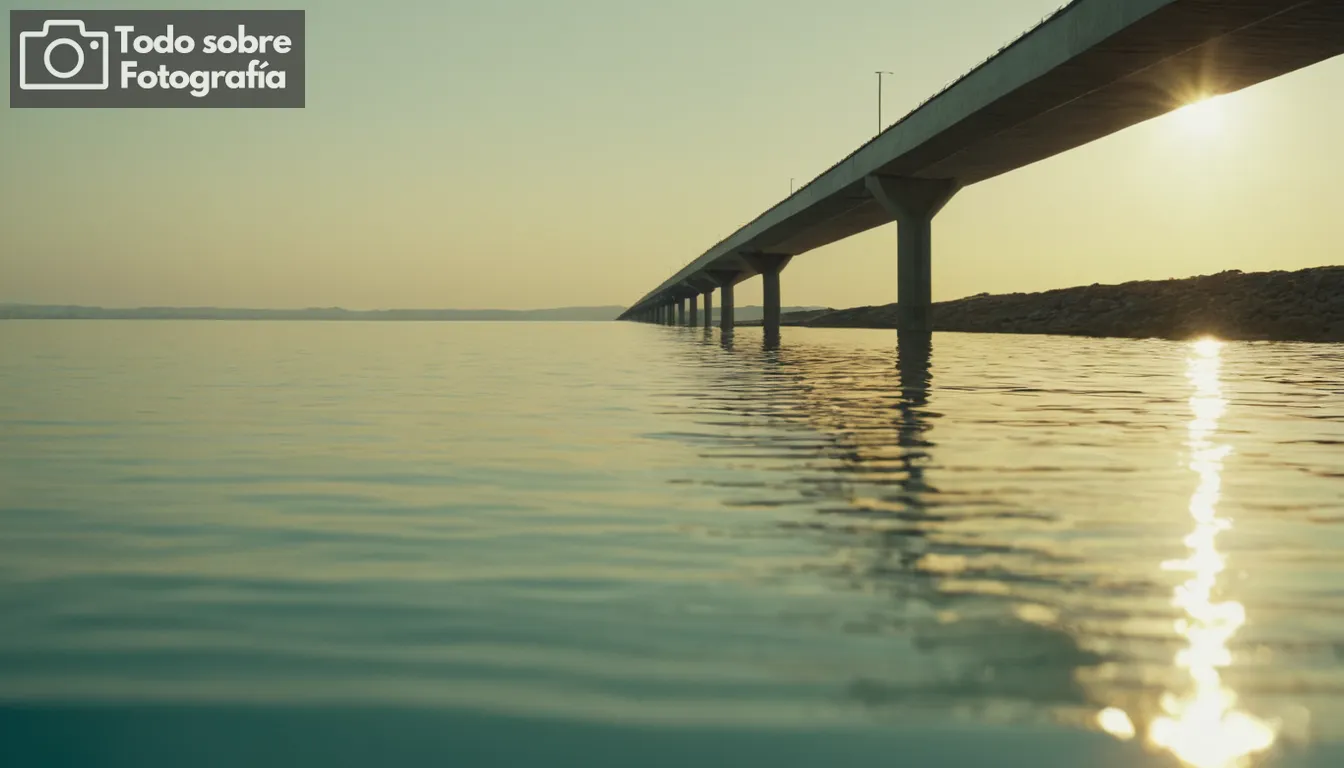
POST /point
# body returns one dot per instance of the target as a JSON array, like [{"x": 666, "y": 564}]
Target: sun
[{"x": 1202, "y": 118}]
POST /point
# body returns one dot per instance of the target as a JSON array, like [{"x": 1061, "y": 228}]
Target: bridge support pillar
[
  {"x": 913, "y": 203},
  {"x": 693, "y": 318},
  {"x": 769, "y": 266},
  {"x": 726, "y": 280},
  {"x": 726, "y": 308},
  {"x": 670, "y": 314},
  {"x": 681, "y": 312},
  {"x": 709, "y": 309}
]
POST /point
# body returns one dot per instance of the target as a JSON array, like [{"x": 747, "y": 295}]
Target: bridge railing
[{"x": 946, "y": 87}]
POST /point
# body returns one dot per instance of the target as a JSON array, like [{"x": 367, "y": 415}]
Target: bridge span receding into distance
[{"x": 1091, "y": 69}]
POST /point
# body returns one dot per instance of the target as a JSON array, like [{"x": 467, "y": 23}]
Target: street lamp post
[{"x": 880, "y": 73}]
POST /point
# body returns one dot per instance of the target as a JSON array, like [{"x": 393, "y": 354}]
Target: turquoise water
[{"x": 614, "y": 544}]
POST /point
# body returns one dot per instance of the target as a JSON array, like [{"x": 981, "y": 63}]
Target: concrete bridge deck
[{"x": 1093, "y": 68}]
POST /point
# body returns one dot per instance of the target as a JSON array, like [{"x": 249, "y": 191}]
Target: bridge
[{"x": 1091, "y": 69}]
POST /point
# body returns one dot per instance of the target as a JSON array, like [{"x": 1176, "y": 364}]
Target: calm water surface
[{"x": 613, "y": 544}]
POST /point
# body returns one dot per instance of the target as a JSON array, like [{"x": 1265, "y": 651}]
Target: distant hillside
[
  {"x": 747, "y": 315},
  {"x": 1306, "y": 305},
  {"x": 787, "y": 315},
  {"x": 55, "y": 312},
  {"x": 750, "y": 315}
]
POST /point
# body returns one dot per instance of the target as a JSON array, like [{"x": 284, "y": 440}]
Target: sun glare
[
  {"x": 1202, "y": 726},
  {"x": 1203, "y": 118},
  {"x": 1200, "y": 723}
]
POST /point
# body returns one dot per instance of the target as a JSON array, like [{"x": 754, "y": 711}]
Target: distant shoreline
[
  {"x": 1306, "y": 305},
  {"x": 327, "y": 314},
  {"x": 322, "y": 314}
]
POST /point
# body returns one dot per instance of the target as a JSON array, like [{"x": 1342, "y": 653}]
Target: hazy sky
[{"x": 532, "y": 153}]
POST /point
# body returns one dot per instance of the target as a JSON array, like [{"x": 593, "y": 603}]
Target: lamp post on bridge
[{"x": 880, "y": 73}]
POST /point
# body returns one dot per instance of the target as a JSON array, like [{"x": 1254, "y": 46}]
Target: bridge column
[
  {"x": 693, "y": 319},
  {"x": 681, "y": 312},
  {"x": 913, "y": 203},
  {"x": 669, "y": 314},
  {"x": 709, "y": 308},
  {"x": 726, "y": 280},
  {"x": 726, "y": 308},
  {"x": 769, "y": 266}
]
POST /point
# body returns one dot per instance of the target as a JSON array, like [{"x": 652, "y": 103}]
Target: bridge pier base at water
[
  {"x": 709, "y": 309},
  {"x": 913, "y": 203},
  {"x": 681, "y": 313},
  {"x": 726, "y": 280},
  {"x": 692, "y": 317},
  {"x": 769, "y": 266}
]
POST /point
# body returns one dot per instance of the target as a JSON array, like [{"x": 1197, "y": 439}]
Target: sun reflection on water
[{"x": 1201, "y": 725}]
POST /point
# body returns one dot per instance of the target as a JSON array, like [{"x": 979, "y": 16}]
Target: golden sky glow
[
  {"x": 528, "y": 154},
  {"x": 1203, "y": 118}
]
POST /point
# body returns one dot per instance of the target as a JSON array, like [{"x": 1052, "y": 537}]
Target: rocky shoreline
[{"x": 1307, "y": 305}]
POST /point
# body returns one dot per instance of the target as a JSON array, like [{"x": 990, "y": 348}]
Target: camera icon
[{"x": 38, "y": 71}]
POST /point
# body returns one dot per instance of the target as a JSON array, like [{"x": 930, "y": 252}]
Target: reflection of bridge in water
[{"x": 1016, "y": 614}]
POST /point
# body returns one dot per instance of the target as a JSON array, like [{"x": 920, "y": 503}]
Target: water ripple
[{"x": 663, "y": 525}]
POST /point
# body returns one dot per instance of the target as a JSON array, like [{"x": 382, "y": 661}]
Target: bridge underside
[{"x": 1090, "y": 97}]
